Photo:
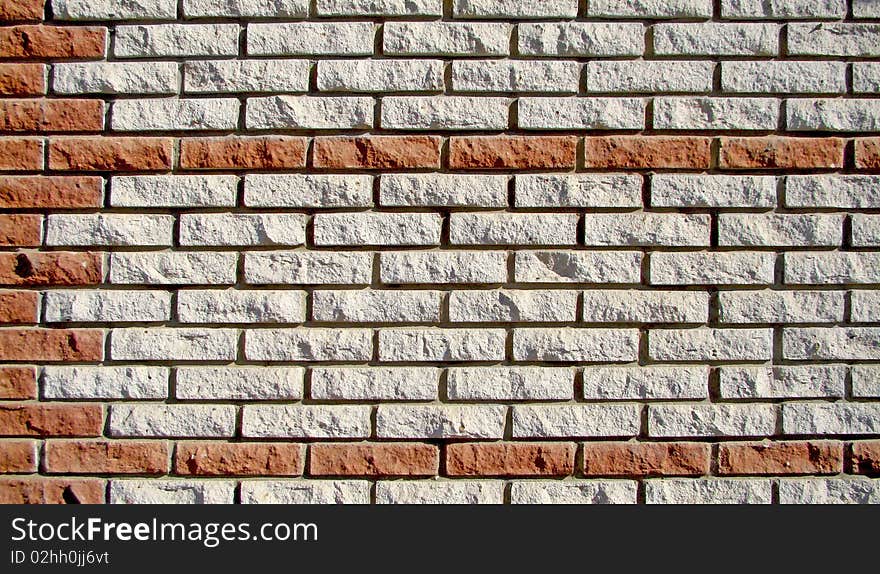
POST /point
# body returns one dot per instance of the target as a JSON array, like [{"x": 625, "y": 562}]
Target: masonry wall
[{"x": 414, "y": 251}]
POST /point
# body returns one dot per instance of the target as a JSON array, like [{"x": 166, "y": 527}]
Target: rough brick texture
[{"x": 427, "y": 251}]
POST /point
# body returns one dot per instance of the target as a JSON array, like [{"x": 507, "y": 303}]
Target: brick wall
[{"x": 384, "y": 251}]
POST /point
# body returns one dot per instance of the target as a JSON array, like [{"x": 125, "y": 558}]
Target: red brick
[
  {"x": 510, "y": 459},
  {"x": 105, "y": 457},
  {"x": 51, "y": 268},
  {"x": 110, "y": 154},
  {"x": 51, "y": 491},
  {"x": 21, "y": 10},
  {"x": 868, "y": 153},
  {"x": 781, "y": 153},
  {"x": 865, "y": 457},
  {"x": 51, "y": 115},
  {"x": 45, "y": 42},
  {"x": 18, "y": 307},
  {"x": 54, "y": 192},
  {"x": 238, "y": 459},
  {"x": 21, "y": 154},
  {"x": 377, "y": 152},
  {"x": 512, "y": 152},
  {"x": 379, "y": 459},
  {"x": 270, "y": 152},
  {"x": 51, "y": 345},
  {"x": 22, "y": 79},
  {"x": 18, "y": 383},
  {"x": 648, "y": 152},
  {"x": 646, "y": 459},
  {"x": 20, "y": 230},
  {"x": 780, "y": 458},
  {"x": 48, "y": 419},
  {"x": 18, "y": 456}
]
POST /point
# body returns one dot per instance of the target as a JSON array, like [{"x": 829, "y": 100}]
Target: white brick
[
  {"x": 444, "y": 113},
  {"x": 831, "y": 418},
  {"x": 512, "y": 306},
  {"x": 385, "y": 8},
  {"x": 780, "y": 230},
  {"x": 109, "y": 230},
  {"x": 716, "y": 113},
  {"x": 569, "y": 344},
  {"x": 168, "y": 268},
  {"x": 832, "y": 268},
  {"x": 176, "y": 40},
  {"x": 173, "y": 191},
  {"x": 601, "y": 190},
  {"x": 308, "y": 268},
  {"x": 575, "y": 421},
  {"x": 375, "y": 383},
  {"x": 783, "y": 9},
  {"x": 865, "y": 9},
  {"x": 810, "y": 382},
  {"x": 628, "y": 76},
  {"x": 245, "y": 8},
  {"x": 513, "y": 229},
  {"x": 440, "y": 492},
  {"x": 708, "y": 491},
  {"x": 847, "y": 191},
  {"x": 240, "y": 383},
  {"x": 378, "y": 229},
  {"x": 834, "y": 39},
  {"x": 172, "y": 491},
  {"x": 646, "y": 229},
  {"x": 305, "y": 421},
  {"x": 290, "y": 190},
  {"x": 432, "y": 344},
  {"x": 115, "y": 78},
  {"x": 866, "y": 382},
  {"x": 510, "y": 384},
  {"x": 309, "y": 112},
  {"x": 829, "y": 491},
  {"x": 631, "y": 306},
  {"x": 237, "y": 306},
  {"x": 510, "y": 9},
  {"x": 84, "y": 306},
  {"x": 440, "y": 421},
  {"x": 381, "y": 75},
  {"x": 581, "y": 113},
  {"x": 646, "y": 383},
  {"x": 578, "y": 266},
  {"x": 250, "y": 229},
  {"x": 114, "y": 10},
  {"x": 784, "y": 77},
  {"x": 708, "y": 344},
  {"x": 375, "y": 306},
  {"x": 781, "y": 306},
  {"x": 866, "y": 76},
  {"x": 702, "y": 420},
  {"x": 651, "y": 8},
  {"x": 310, "y": 38},
  {"x": 160, "y": 420},
  {"x": 135, "y": 383},
  {"x": 668, "y": 190},
  {"x": 163, "y": 344},
  {"x": 443, "y": 267},
  {"x": 581, "y": 39},
  {"x": 515, "y": 76},
  {"x": 309, "y": 344},
  {"x": 443, "y": 190},
  {"x": 832, "y": 115},
  {"x": 230, "y": 76},
  {"x": 865, "y": 306},
  {"x": 712, "y": 268},
  {"x": 865, "y": 230},
  {"x": 712, "y": 39},
  {"x": 446, "y": 38},
  {"x": 305, "y": 492},
  {"x": 574, "y": 492},
  {"x": 174, "y": 114},
  {"x": 831, "y": 343}
]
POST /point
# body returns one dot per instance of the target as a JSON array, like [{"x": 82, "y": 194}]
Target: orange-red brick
[
  {"x": 18, "y": 383},
  {"x": 18, "y": 307},
  {"x": 865, "y": 457},
  {"x": 647, "y": 152},
  {"x": 780, "y": 458},
  {"x": 51, "y": 491},
  {"x": 781, "y": 153},
  {"x": 238, "y": 459},
  {"x": 377, "y": 152},
  {"x": 51, "y": 345},
  {"x": 21, "y": 10},
  {"x": 20, "y": 230},
  {"x": 513, "y": 152},
  {"x": 510, "y": 459},
  {"x": 379, "y": 459},
  {"x": 50, "y": 268},
  {"x": 105, "y": 457},
  {"x": 18, "y": 456},
  {"x": 50, "y": 419},
  {"x": 52, "y": 192},
  {"x": 270, "y": 152},
  {"x": 22, "y": 79},
  {"x": 45, "y": 42},
  {"x": 110, "y": 154},
  {"x": 51, "y": 115},
  {"x": 18, "y": 154},
  {"x": 646, "y": 459},
  {"x": 868, "y": 153}
]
